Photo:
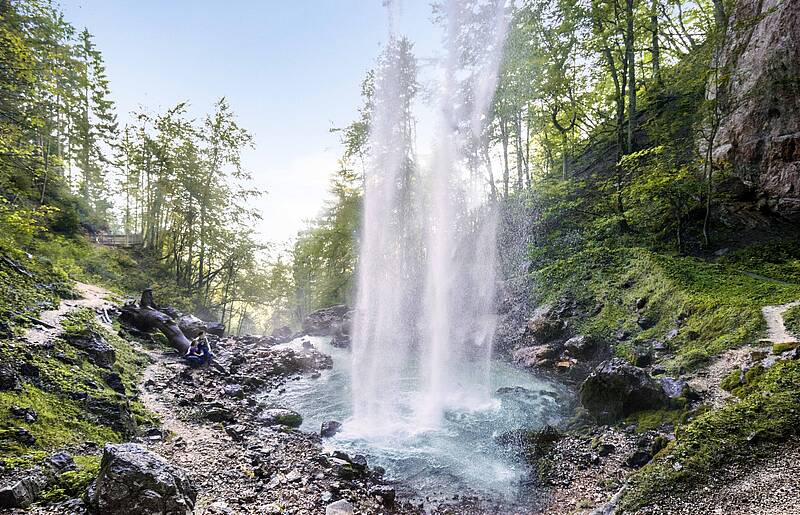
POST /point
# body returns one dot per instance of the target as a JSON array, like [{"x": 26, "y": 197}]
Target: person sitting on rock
[{"x": 199, "y": 352}]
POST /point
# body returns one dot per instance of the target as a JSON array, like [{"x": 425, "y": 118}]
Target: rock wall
[{"x": 760, "y": 136}]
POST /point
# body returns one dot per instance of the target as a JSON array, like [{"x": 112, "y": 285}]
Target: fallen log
[{"x": 145, "y": 317}]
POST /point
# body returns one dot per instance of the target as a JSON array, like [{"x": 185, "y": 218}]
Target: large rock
[
  {"x": 9, "y": 380},
  {"x": 327, "y": 321},
  {"x": 191, "y": 326},
  {"x": 615, "y": 388},
  {"x": 26, "y": 488},
  {"x": 759, "y": 138},
  {"x": 96, "y": 347},
  {"x": 545, "y": 324},
  {"x": 280, "y": 417},
  {"x": 135, "y": 481},
  {"x": 538, "y": 356}
]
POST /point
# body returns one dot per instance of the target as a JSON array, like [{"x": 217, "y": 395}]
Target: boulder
[
  {"x": 330, "y": 428},
  {"x": 280, "y": 417},
  {"x": 283, "y": 334},
  {"x": 9, "y": 380},
  {"x": 544, "y": 325},
  {"x": 325, "y": 322},
  {"x": 340, "y": 507},
  {"x": 135, "y": 481},
  {"x": 580, "y": 347},
  {"x": 26, "y": 488},
  {"x": 100, "y": 352},
  {"x": 191, "y": 326},
  {"x": 615, "y": 388},
  {"x": 673, "y": 388},
  {"x": 535, "y": 356}
]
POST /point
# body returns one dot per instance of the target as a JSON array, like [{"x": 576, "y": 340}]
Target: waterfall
[{"x": 424, "y": 317}]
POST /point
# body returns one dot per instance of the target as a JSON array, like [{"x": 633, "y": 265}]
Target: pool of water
[{"x": 459, "y": 456}]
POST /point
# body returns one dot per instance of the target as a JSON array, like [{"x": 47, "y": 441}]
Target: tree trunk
[
  {"x": 656, "y": 50},
  {"x": 504, "y": 139},
  {"x": 147, "y": 317},
  {"x": 630, "y": 56}
]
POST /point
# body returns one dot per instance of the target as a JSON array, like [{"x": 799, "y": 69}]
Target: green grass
[
  {"x": 791, "y": 319},
  {"x": 73, "y": 483},
  {"x": 766, "y": 415},
  {"x": 720, "y": 306},
  {"x": 64, "y": 375}
]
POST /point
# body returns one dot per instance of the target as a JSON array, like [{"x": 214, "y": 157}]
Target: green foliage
[
  {"x": 766, "y": 414},
  {"x": 719, "y": 306},
  {"x": 791, "y": 318},
  {"x": 324, "y": 256},
  {"x": 73, "y": 483}
]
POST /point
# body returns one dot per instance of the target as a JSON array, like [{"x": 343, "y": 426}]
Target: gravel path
[
  {"x": 93, "y": 297},
  {"x": 766, "y": 487},
  {"x": 776, "y": 330}
]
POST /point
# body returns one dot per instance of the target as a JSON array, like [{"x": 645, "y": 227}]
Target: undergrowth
[
  {"x": 766, "y": 414},
  {"x": 698, "y": 308}
]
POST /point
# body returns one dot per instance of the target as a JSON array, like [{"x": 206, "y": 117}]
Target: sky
[{"x": 291, "y": 70}]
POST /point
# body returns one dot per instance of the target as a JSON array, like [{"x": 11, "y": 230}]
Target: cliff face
[{"x": 759, "y": 137}]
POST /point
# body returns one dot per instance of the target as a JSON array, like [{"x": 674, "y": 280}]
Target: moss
[
  {"x": 767, "y": 414},
  {"x": 70, "y": 394},
  {"x": 61, "y": 422},
  {"x": 655, "y": 419},
  {"x": 779, "y": 348},
  {"x": 731, "y": 381},
  {"x": 791, "y": 318},
  {"x": 717, "y": 304},
  {"x": 73, "y": 483}
]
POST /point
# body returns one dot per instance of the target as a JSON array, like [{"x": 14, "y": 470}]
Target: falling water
[{"x": 424, "y": 321}]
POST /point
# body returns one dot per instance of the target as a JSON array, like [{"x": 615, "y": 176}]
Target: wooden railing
[{"x": 119, "y": 240}]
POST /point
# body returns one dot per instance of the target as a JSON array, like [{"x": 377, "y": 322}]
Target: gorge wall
[{"x": 759, "y": 137}]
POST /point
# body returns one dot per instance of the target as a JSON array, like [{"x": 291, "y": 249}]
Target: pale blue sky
[{"x": 291, "y": 70}]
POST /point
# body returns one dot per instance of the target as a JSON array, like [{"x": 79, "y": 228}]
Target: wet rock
[
  {"x": 325, "y": 322},
  {"x": 615, "y": 388},
  {"x": 8, "y": 378},
  {"x": 580, "y": 346},
  {"x": 340, "y": 507},
  {"x": 544, "y": 325},
  {"x": 359, "y": 462},
  {"x": 135, "y": 481},
  {"x": 536, "y": 356},
  {"x": 281, "y": 416},
  {"x": 283, "y": 334},
  {"x": 330, "y": 428},
  {"x": 100, "y": 352},
  {"x": 640, "y": 303},
  {"x": 386, "y": 494}
]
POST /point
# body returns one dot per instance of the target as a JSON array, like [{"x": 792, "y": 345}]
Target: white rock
[{"x": 340, "y": 507}]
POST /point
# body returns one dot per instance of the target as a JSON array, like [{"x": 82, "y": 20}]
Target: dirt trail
[
  {"x": 93, "y": 297},
  {"x": 708, "y": 380},
  {"x": 776, "y": 330}
]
